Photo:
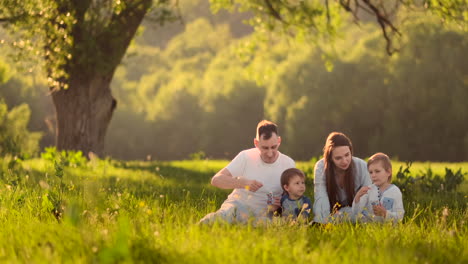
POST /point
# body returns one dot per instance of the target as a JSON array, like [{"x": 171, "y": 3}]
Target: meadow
[{"x": 69, "y": 210}]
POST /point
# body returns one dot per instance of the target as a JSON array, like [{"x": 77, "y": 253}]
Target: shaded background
[{"x": 199, "y": 87}]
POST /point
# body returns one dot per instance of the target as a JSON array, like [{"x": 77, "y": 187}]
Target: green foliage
[
  {"x": 64, "y": 158},
  {"x": 427, "y": 183},
  {"x": 15, "y": 139},
  {"x": 313, "y": 20},
  {"x": 61, "y": 35},
  {"x": 200, "y": 155}
]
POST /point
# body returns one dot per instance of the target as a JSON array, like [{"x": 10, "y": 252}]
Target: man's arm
[{"x": 224, "y": 180}]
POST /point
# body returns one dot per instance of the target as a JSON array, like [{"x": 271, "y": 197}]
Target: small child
[
  {"x": 382, "y": 200},
  {"x": 294, "y": 204}
]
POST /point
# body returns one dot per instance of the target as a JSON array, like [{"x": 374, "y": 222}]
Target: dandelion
[
  {"x": 445, "y": 213},
  {"x": 149, "y": 212},
  {"x": 142, "y": 204}
]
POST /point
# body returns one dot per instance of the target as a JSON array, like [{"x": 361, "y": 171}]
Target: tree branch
[
  {"x": 384, "y": 22},
  {"x": 273, "y": 11},
  {"x": 12, "y": 19}
]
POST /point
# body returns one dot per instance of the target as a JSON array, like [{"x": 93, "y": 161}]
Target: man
[{"x": 254, "y": 174}]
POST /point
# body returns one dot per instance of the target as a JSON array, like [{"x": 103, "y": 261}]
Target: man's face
[{"x": 268, "y": 147}]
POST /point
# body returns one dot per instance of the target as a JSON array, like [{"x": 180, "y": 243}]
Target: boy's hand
[
  {"x": 360, "y": 193},
  {"x": 379, "y": 210},
  {"x": 273, "y": 207},
  {"x": 277, "y": 201}
]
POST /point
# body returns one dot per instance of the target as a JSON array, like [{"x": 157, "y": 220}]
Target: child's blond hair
[{"x": 386, "y": 162}]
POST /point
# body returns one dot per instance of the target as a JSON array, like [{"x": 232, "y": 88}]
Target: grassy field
[{"x": 107, "y": 211}]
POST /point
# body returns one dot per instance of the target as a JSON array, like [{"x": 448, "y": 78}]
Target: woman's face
[{"x": 341, "y": 157}]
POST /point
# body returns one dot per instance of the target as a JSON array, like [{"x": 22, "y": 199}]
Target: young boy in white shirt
[{"x": 381, "y": 201}]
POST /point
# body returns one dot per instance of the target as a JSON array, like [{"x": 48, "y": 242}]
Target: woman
[{"x": 338, "y": 176}]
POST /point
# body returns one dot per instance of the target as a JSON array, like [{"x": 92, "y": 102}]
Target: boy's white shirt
[{"x": 395, "y": 214}]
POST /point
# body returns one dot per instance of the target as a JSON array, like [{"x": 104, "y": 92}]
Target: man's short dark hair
[{"x": 265, "y": 129}]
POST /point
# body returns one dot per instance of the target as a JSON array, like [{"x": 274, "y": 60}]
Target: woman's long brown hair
[{"x": 337, "y": 139}]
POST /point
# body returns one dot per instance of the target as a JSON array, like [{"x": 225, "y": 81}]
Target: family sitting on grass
[{"x": 266, "y": 185}]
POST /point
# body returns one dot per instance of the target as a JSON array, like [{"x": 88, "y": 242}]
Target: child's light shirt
[{"x": 391, "y": 199}]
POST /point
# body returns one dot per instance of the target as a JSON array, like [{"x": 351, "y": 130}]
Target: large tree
[{"x": 81, "y": 43}]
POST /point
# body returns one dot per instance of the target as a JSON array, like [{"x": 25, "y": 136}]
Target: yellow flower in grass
[
  {"x": 142, "y": 204},
  {"x": 328, "y": 226}
]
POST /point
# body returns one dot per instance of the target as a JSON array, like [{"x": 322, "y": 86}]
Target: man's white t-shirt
[{"x": 249, "y": 164}]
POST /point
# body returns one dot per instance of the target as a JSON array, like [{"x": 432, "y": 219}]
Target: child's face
[
  {"x": 378, "y": 174},
  {"x": 296, "y": 187}
]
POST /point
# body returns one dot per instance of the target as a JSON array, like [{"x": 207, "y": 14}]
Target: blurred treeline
[{"x": 202, "y": 86}]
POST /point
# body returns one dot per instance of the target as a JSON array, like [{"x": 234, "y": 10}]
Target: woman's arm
[{"x": 321, "y": 202}]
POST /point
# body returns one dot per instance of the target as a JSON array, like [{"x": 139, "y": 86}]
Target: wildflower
[
  {"x": 161, "y": 196},
  {"x": 44, "y": 185},
  {"x": 149, "y": 212},
  {"x": 94, "y": 249},
  {"x": 142, "y": 204}
]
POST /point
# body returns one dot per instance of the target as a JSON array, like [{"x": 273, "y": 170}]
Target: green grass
[{"x": 147, "y": 212}]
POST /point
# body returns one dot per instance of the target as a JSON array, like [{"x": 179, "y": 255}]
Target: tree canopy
[{"x": 316, "y": 19}]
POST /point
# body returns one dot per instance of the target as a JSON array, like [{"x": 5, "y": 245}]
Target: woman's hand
[{"x": 360, "y": 193}]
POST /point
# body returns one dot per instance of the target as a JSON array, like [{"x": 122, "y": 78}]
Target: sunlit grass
[{"x": 147, "y": 212}]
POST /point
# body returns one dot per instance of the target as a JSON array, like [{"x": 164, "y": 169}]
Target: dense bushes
[{"x": 15, "y": 139}]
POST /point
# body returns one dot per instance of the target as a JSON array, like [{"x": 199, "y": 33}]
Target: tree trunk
[{"x": 83, "y": 112}]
